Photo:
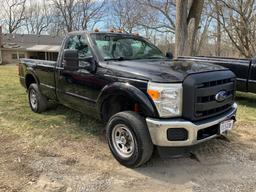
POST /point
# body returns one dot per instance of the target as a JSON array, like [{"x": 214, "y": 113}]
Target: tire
[
  {"x": 37, "y": 102},
  {"x": 128, "y": 139}
]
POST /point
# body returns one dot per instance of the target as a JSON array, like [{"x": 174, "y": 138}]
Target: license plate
[{"x": 226, "y": 126}]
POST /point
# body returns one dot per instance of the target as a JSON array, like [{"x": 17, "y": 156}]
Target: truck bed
[
  {"x": 38, "y": 62},
  {"x": 217, "y": 60},
  {"x": 44, "y": 71}
]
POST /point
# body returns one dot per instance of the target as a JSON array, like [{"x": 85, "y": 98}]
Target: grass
[
  {"x": 61, "y": 122},
  {"x": 17, "y": 118},
  {"x": 246, "y": 106}
]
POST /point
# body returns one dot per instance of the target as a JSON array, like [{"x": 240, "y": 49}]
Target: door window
[{"x": 79, "y": 42}]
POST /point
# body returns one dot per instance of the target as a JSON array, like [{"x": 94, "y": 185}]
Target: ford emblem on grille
[{"x": 221, "y": 96}]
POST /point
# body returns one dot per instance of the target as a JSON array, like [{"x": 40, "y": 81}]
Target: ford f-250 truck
[{"x": 145, "y": 96}]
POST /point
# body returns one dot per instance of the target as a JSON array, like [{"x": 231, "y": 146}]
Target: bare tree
[
  {"x": 188, "y": 15},
  {"x": 218, "y": 32},
  {"x": 13, "y": 13},
  {"x": 92, "y": 12},
  {"x": 203, "y": 35},
  {"x": 181, "y": 17},
  {"x": 164, "y": 11},
  {"x": 38, "y": 17},
  {"x": 78, "y": 14},
  {"x": 238, "y": 20},
  {"x": 126, "y": 15},
  {"x": 66, "y": 9},
  {"x": 57, "y": 26},
  {"x": 202, "y": 39},
  {"x": 130, "y": 15}
]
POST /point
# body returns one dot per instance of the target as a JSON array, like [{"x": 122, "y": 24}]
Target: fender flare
[
  {"x": 126, "y": 89},
  {"x": 32, "y": 73}
]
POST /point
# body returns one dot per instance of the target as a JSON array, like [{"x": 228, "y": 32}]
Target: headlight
[{"x": 167, "y": 98}]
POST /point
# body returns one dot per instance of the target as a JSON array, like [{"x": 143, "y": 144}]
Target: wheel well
[
  {"x": 119, "y": 103},
  {"x": 29, "y": 80}
]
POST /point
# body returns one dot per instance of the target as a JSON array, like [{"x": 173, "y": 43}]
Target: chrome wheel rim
[
  {"x": 123, "y": 141},
  {"x": 33, "y": 99}
]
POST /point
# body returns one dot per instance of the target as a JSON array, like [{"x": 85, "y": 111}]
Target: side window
[{"x": 79, "y": 43}]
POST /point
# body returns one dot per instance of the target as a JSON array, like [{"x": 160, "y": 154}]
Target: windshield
[{"x": 121, "y": 47}]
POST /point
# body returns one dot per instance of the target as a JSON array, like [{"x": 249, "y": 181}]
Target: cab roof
[{"x": 104, "y": 33}]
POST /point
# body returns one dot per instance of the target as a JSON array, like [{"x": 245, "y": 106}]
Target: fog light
[{"x": 177, "y": 134}]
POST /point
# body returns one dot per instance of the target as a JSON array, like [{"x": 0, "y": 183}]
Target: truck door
[
  {"x": 78, "y": 89},
  {"x": 252, "y": 77}
]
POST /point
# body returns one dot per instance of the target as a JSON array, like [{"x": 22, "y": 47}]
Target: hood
[{"x": 159, "y": 70}]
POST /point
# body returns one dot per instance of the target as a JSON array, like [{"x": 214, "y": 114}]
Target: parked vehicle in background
[
  {"x": 145, "y": 97},
  {"x": 244, "y": 69}
]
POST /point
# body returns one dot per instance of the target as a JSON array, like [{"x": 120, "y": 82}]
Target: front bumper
[{"x": 158, "y": 129}]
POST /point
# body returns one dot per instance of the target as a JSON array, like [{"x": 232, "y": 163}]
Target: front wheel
[
  {"x": 38, "y": 103},
  {"x": 129, "y": 139}
]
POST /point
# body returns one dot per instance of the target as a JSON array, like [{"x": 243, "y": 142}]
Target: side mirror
[
  {"x": 88, "y": 64},
  {"x": 71, "y": 60},
  {"x": 169, "y": 55}
]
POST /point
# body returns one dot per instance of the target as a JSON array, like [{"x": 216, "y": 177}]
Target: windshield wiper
[
  {"x": 155, "y": 57},
  {"x": 139, "y": 58},
  {"x": 117, "y": 59}
]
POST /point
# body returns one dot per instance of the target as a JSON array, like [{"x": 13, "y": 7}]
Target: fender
[
  {"x": 126, "y": 89},
  {"x": 30, "y": 71}
]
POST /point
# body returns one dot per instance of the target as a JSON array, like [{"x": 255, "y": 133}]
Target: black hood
[{"x": 160, "y": 70}]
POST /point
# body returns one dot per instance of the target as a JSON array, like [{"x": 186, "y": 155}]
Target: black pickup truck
[
  {"x": 145, "y": 97},
  {"x": 244, "y": 69}
]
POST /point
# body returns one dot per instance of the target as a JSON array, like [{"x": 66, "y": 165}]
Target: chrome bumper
[{"x": 158, "y": 128}]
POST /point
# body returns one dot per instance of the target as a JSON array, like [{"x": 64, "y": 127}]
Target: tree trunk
[
  {"x": 218, "y": 40},
  {"x": 218, "y": 44},
  {"x": 181, "y": 31},
  {"x": 193, "y": 21},
  {"x": 188, "y": 15}
]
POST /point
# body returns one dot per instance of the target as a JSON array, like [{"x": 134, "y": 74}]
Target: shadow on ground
[{"x": 84, "y": 122}]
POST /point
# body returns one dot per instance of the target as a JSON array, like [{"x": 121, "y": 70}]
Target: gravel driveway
[{"x": 67, "y": 165}]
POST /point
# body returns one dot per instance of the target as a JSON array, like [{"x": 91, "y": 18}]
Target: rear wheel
[
  {"x": 129, "y": 139},
  {"x": 38, "y": 102}
]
